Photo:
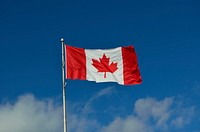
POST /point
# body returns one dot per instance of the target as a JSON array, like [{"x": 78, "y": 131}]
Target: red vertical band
[
  {"x": 75, "y": 63},
  {"x": 130, "y": 65}
]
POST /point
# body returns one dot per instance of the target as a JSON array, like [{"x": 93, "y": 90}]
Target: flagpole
[{"x": 64, "y": 86}]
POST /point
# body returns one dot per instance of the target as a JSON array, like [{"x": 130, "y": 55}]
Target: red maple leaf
[{"x": 103, "y": 65}]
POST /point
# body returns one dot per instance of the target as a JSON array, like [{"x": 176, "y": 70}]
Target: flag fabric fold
[{"x": 103, "y": 65}]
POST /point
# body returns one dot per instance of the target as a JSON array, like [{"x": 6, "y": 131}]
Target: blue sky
[{"x": 166, "y": 37}]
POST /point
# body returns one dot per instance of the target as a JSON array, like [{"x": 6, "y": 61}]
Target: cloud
[
  {"x": 79, "y": 118},
  {"x": 88, "y": 105},
  {"x": 79, "y": 123},
  {"x": 183, "y": 116},
  {"x": 28, "y": 114},
  {"x": 150, "y": 109},
  {"x": 129, "y": 124},
  {"x": 151, "y": 115}
]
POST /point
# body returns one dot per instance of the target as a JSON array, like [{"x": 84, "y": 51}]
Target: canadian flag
[{"x": 109, "y": 65}]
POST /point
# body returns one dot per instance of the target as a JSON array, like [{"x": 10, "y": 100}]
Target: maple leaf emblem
[{"x": 103, "y": 65}]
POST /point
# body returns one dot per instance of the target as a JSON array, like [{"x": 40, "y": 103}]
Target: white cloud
[
  {"x": 183, "y": 116},
  {"x": 149, "y": 115},
  {"x": 30, "y": 115},
  {"x": 153, "y": 115},
  {"x": 87, "y": 106},
  {"x": 80, "y": 123},
  {"x": 129, "y": 124},
  {"x": 151, "y": 109},
  {"x": 78, "y": 114}
]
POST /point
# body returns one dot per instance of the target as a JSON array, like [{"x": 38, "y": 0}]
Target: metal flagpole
[{"x": 64, "y": 86}]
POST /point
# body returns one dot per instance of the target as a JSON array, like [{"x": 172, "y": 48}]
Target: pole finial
[{"x": 62, "y": 39}]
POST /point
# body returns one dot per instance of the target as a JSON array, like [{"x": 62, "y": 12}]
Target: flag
[{"x": 103, "y": 65}]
